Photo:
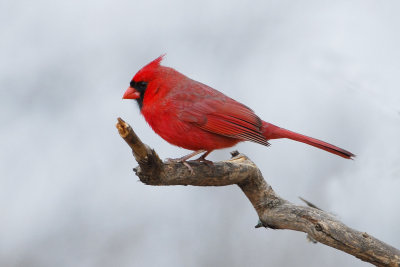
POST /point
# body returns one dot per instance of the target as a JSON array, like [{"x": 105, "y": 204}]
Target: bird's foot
[
  {"x": 183, "y": 161},
  {"x": 206, "y": 161}
]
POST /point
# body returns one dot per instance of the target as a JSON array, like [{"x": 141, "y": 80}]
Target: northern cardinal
[{"x": 192, "y": 115}]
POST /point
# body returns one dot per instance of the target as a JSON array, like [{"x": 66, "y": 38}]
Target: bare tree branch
[{"x": 273, "y": 211}]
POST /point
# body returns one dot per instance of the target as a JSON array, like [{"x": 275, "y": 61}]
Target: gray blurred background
[{"x": 68, "y": 196}]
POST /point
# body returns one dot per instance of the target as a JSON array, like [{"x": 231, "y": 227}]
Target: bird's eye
[{"x": 141, "y": 85}]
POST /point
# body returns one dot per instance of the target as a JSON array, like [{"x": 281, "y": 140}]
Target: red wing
[{"x": 222, "y": 115}]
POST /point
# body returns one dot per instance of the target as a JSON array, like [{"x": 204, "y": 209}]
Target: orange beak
[{"x": 131, "y": 93}]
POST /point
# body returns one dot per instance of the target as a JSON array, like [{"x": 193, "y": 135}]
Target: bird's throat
[{"x": 140, "y": 100}]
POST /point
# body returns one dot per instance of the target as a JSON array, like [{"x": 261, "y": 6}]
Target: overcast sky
[{"x": 68, "y": 196}]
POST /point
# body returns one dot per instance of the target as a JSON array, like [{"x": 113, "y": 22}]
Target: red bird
[{"x": 194, "y": 116}]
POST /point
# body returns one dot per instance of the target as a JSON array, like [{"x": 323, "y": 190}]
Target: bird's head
[{"x": 141, "y": 80}]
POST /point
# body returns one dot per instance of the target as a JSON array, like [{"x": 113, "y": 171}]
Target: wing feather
[{"x": 217, "y": 113}]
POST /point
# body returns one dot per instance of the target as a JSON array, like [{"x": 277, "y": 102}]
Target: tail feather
[{"x": 271, "y": 131}]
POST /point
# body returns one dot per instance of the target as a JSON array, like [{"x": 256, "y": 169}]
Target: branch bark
[{"x": 273, "y": 211}]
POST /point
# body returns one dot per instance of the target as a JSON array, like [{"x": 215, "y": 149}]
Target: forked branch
[{"x": 273, "y": 211}]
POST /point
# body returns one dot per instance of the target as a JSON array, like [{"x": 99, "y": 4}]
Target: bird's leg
[
  {"x": 202, "y": 158},
  {"x": 188, "y": 156},
  {"x": 185, "y": 158}
]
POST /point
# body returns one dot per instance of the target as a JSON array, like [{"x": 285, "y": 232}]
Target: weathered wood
[{"x": 273, "y": 211}]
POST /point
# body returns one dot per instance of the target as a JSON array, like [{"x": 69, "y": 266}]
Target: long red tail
[{"x": 271, "y": 131}]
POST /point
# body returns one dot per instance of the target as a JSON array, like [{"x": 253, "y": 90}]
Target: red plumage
[{"x": 197, "y": 117}]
